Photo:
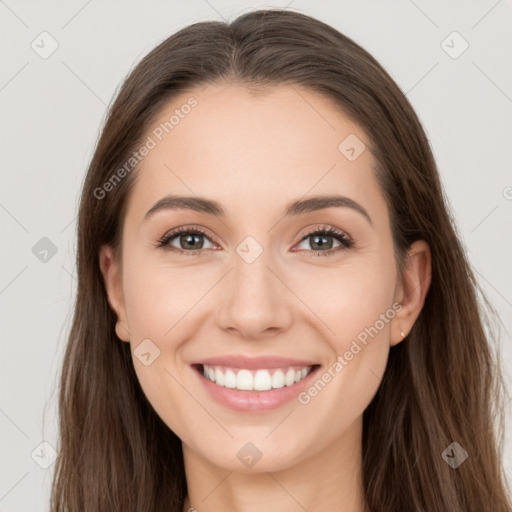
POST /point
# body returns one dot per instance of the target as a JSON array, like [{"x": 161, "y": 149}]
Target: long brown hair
[{"x": 442, "y": 383}]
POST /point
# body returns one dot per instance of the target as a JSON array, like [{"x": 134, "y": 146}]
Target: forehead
[{"x": 248, "y": 150}]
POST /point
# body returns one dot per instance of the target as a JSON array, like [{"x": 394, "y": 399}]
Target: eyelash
[{"x": 345, "y": 241}]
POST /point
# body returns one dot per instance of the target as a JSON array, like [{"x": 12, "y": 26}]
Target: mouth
[
  {"x": 254, "y": 379},
  {"x": 254, "y": 390}
]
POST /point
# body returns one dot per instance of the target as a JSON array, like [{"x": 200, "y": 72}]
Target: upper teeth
[{"x": 258, "y": 380}]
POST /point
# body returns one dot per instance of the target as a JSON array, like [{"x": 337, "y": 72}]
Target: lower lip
[{"x": 255, "y": 401}]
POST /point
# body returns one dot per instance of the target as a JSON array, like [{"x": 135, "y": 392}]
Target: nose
[{"x": 254, "y": 302}]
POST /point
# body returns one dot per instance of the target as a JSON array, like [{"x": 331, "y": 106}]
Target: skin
[{"x": 254, "y": 154}]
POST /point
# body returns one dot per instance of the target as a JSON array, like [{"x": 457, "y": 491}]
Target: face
[{"x": 299, "y": 300}]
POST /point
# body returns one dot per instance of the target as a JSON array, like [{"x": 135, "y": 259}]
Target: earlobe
[
  {"x": 416, "y": 281},
  {"x": 110, "y": 270}
]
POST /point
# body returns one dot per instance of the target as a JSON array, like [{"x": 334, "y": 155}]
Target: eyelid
[{"x": 328, "y": 228}]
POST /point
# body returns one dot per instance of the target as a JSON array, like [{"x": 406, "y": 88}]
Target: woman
[{"x": 274, "y": 310}]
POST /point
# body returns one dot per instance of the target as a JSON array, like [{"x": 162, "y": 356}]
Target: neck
[{"x": 330, "y": 479}]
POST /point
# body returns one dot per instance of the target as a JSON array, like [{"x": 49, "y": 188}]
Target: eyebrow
[{"x": 297, "y": 207}]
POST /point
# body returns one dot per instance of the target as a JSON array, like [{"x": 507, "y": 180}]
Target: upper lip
[{"x": 238, "y": 361}]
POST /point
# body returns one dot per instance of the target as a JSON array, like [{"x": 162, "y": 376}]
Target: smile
[
  {"x": 254, "y": 384},
  {"x": 255, "y": 379}
]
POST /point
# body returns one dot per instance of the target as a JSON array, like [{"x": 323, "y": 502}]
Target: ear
[
  {"x": 412, "y": 291},
  {"x": 111, "y": 271}
]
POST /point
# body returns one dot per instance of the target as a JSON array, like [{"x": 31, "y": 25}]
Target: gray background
[{"x": 51, "y": 112}]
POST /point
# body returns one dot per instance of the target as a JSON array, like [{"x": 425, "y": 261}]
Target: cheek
[
  {"x": 354, "y": 309},
  {"x": 157, "y": 298},
  {"x": 357, "y": 308},
  {"x": 157, "y": 303},
  {"x": 351, "y": 300}
]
